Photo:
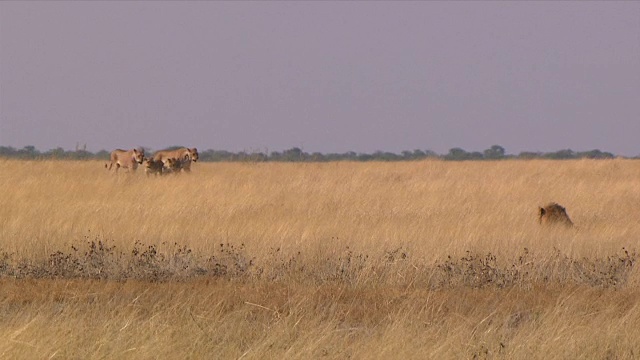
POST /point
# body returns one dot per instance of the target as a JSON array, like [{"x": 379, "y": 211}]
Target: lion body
[
  {"x": 184, "y": 155},
  {"x": 154, "y": 167},
  {"x": 174, "y": 166},
  {"x": 128, "y": 159}
]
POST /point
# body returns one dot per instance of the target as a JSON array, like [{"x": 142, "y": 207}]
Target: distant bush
[{"x": 295, "y": 154}]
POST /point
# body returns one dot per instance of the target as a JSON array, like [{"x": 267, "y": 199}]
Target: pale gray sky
[{"x": 324, "y": 76}]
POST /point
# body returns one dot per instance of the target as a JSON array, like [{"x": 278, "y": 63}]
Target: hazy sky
[{"x": 323, "y": 76}]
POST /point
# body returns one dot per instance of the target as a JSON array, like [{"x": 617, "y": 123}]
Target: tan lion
[
  {"x": 185, "y": 155},
  {"x": 153, "y": 167},
  {"x": 126, "y": 159},
  {"x": 173, "y": 165},
  {"x": 554, "y": 214}
]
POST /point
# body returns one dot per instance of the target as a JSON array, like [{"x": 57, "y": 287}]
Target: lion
[
  {"x": 153, "y": 167},
  {"x": 173, "y": 165},
  {"x": 125, "y": 159},
  {"x": 554, "y": 213},
  {"x": 185, "y": 155}
]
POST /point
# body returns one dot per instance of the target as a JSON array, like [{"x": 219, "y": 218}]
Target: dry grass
[{"x": 339, "y": 260}]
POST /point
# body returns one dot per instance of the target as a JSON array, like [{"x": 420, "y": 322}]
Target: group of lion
[
  {"x": 175, "y": 161},
  {"x": 162, "y": 162}
]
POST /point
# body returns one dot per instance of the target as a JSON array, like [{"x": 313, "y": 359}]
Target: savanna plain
[{"x": 341, "y": 260}]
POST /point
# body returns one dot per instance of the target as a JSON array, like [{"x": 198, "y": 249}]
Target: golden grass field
[{"x": 424, "y": 260}]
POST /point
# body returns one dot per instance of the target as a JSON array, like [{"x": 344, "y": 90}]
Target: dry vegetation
[{"x": 420, "y": 260}]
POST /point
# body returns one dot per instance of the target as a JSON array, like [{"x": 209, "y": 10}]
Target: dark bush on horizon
[{"x": 295, "y": 154}]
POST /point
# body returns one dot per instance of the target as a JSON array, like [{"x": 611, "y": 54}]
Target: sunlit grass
[{"x": 425, "y": 259}]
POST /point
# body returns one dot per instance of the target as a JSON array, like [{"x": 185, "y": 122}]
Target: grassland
[{"x": 419, "y": 260}]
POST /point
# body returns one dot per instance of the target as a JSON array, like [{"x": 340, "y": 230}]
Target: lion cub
[
  {"x": 153, "y": 167},
  {"x": 173, "y": 165}
]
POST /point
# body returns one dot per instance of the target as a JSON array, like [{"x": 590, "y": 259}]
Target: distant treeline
[{"x": 495, "y": 152}]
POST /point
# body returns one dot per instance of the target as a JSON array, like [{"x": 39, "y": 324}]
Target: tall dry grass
[{"x": 365, "y": 260}]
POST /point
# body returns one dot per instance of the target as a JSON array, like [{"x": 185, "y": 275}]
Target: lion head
[{"x": 554, "y": 213}]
